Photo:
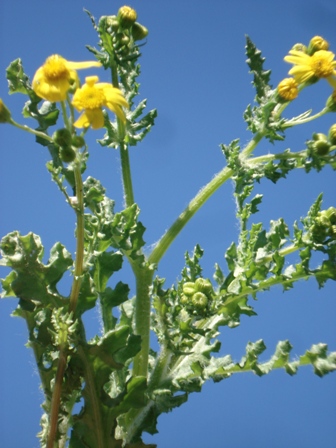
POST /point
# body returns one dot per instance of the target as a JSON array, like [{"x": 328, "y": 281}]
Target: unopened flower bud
[
  {"x": 317, "y": 43},
  {"x": 287, "y": 89},
  {"x": 331, "y": 102},
  {"x": 5, "y": 115},
  {"x": 203, "y": 285},
  {"x": 67, "y": 154},
  {"x": 199, "y": 300},
  {"x": 189, "y": 288},
  {"x": 299, "y": 47},
  {"x": 107, "y": 22},
  {"x": 139, "y": 32},
  {"x": 332, "y": 134},
  {"x": 127, "y": 16},
  {"x": 321, "y": 147},
  {"x": 62, "y": 137},
  {"x": 77, "y": 141}
]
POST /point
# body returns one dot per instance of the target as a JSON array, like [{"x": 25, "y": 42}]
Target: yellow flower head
[
  {"x": 321, "y": 64},
  {"x": 288, "y": 89},
  {"x": 91, "y": 97},
  {"x": 317, "y": 43},
  {"x": 53, "y": 80}
]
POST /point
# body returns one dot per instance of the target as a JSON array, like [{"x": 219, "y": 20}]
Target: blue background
[{"x": 194, "y": 73}]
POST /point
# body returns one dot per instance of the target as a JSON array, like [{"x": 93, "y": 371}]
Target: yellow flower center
[
  {"x": 89, "y": 96},
  {"x": 321, "y": 64},
  {"x": 55, "y": 68}
]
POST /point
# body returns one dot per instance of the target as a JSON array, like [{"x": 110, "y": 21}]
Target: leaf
[
  {"x": 261, "y": 77},
  {"x": 18, "y": 81},
  {"x": 34, "y": 282},
  {"x": 105, "y": 264},
  {"x": 115, "y": 297}
]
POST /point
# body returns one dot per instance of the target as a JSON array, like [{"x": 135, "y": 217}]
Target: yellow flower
[
  {"x": 91, "y": 97},
  {"x": 53, "y": 80},
  {"x": 321, "y": 64},
  {"x": 317, "y": 43},
  {"x": 288, "y": 89}
]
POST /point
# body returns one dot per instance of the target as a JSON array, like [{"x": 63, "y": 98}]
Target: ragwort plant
[{"x": 123, "y": 383}]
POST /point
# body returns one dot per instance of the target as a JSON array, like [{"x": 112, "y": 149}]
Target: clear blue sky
[{"x": 194, "y": 73}]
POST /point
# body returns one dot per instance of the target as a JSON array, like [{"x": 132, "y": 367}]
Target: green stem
[
  {"x": 195, "y": 204},
  {"x": 124, "y": 155},
  {"x": 25, "y": 128},
  {"x": 95, "y": 401},
  {"x": 144, "y": 278},
  {"x": 56, "y": 398},
  {"x": 291, "y": 123},
  {"x": 79, "y": 264}
]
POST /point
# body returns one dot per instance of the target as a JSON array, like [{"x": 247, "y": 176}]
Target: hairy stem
[
  {"x": 56, "y": 398},
  {"x": 144, "y": 278},
  {"x": 80, "y": 239},
  {"x": 195, "y": 204}
]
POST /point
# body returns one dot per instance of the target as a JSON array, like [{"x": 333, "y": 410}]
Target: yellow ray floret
[
  {"x": 91, "y": 97},
  {"x": 321, "y": 64},
  {"x": 53, "y": 80}
]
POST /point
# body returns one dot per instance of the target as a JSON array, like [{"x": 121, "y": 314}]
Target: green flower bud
[
  {"x": 108, "y": 22},
  {"x": 332, "y": 135},
  {"x": 199, "y": 300},
  {"x": 299, "y": 47},
  {"x": 331, "y": 102},
  {"x": 5, "y": 115},
  {"x": 321, "y": 146},
  {"x": 67, "y": 154},
  {"x": 204, "y": 285},
  {"x": 184, "y": 300},
  {"x": 62, "y": 137},
  {"x": 138, "y": 31},
  {"x": 77, "y": 141},
  {"x": 127, "y": 16},
  {"x": 330, "y": 213},
  {"x": 317, "y": 43},
  {"x": 189, "y": 288}
]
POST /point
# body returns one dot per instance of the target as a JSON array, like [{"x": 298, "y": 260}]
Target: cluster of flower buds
[
  {"x": 324, "y": 227},
  {"x": 197, "y": 296},
  {"x": 323, "y": 144},
  {"x": 123, "y": 29},
  {"x": 67, "y": 144}
]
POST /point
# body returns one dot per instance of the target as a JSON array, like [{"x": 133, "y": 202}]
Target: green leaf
[
  {"x": 261, "y": 77},
  {"x": 115, "y": 297},
  {"x": 18, "y": 81},
  {"x": 34, "y": 282},
  {"x": 105, "y": 264}
]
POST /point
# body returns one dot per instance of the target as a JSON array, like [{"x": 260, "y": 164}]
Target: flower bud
[
  {"x": 5, "y": 115},
  {"x": 189, "y": 288},
  {"x": 299, "y": 47},
  {"x": 287, "y": 90},
  {"x": 62, "y": 137},
  {"x": 77, "y": 141},
  {"x": 331, "y": 102},
  {"x": 138, "y": 31},
  {"x": 108, "y": 22},
  {"x": 204, "y": 285},
  {"x": 199, "y": 300},
  {"x": 317, "y": 43},
  {"x": 67, "y": 154},
  {"x": 126, "y": 16},
  {"x": 184, "y": 300},
  {"x": 332, "y": 134},
  {"x": 320, "y": 145}
]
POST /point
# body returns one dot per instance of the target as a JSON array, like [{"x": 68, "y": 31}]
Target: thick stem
[
  {"x": 144, "y": 277},
  {"x": 126, "y": 175},
  {"x": 195, "y": 204},
  {"x": 56, "y": 398},
  {"x": 80, "y": 239}
]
